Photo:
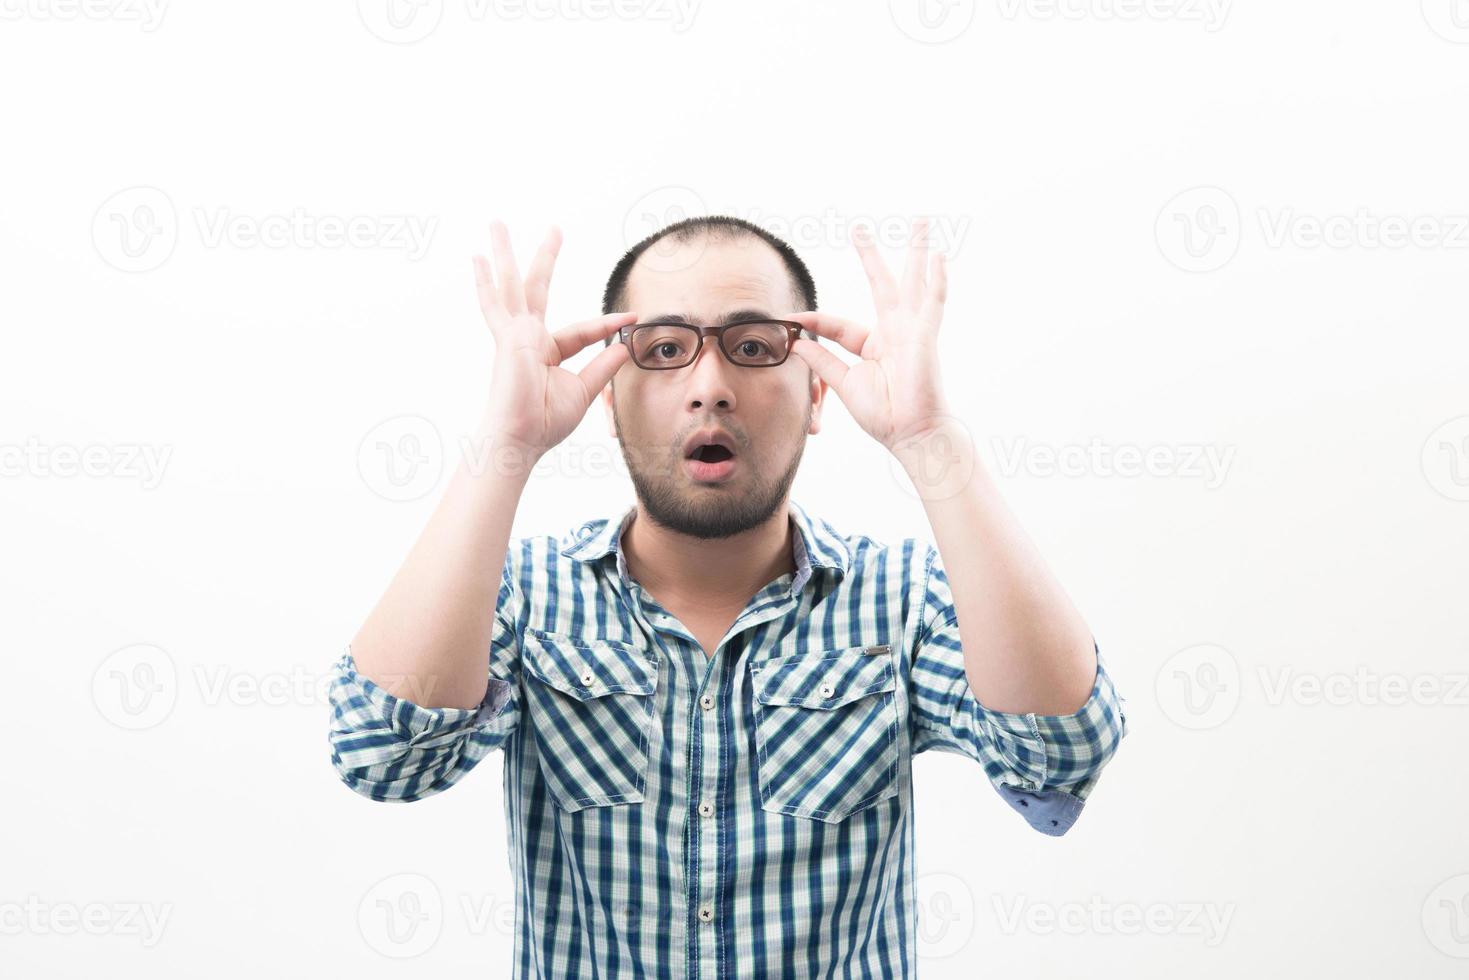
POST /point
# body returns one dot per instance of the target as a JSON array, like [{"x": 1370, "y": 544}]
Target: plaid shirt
[{"x": 748, "y": 814}]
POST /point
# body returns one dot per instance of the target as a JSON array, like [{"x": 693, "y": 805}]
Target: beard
[{"x": 667, "y": 500}]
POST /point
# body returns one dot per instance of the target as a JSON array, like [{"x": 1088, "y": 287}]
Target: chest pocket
[
  {"x": 591, "y": 707},
  {"x": 826, "y": 727}
]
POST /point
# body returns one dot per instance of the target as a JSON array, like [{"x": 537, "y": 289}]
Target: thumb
[
  {"x": 601, "y": 368},
  {"x": 828, "y": 366}
]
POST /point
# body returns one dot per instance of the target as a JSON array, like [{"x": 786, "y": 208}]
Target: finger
[
  {"x": 884, "y": 289},
  {"x": 571, "y": 339},
  {"x": 849, "y": 334},
  {"x": 915, "y": 266},
  {"x": 489, "y": 299},
  {"x": 828, "y": 366},
  {"x": 538, "y": 279},
  {"x": 601, "y": 368},
  {"x": 512, "y": 292},
  {"x": 937, "y": 292}
]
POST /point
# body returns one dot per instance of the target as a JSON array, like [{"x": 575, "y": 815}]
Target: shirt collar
[{"x": 815, "y": 545}]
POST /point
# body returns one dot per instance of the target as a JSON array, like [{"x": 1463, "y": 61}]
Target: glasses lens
[
  {"x": 756, "y": 344},
  {"x": 664, "y": 345}
]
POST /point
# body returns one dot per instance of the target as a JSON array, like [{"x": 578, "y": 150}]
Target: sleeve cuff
[
  {"x": 1052, "y": 811},
  {"x": 1053, "y": 761},
  {"x": 374, "y": 708}
]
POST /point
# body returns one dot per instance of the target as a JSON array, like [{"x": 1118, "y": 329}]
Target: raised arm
[
  {"x": 1026, "y": 647},
  {"x": 428, "y": 638}
]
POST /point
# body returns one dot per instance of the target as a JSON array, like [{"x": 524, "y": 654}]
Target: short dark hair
[{"x": 803, "y": 287}]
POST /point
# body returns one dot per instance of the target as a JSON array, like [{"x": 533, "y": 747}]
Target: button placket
[{"x": 710, "y": 737}]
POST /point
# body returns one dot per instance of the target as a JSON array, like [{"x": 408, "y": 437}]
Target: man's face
[{"x": 767, "y": 412}]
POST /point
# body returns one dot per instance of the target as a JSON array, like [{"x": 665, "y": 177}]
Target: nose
[{"x": 710, "y": 377}]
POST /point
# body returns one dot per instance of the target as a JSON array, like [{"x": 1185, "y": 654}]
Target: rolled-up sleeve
[
  {"x": 1044, "y": 766},
  {"x": 388, "y": 748}
]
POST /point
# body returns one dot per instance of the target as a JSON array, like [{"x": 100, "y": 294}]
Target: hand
[
  {"x": 534, "y": 402},
  {"x": 894, "y": 392}
]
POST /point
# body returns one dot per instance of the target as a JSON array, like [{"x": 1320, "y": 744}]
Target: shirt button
[
  {"x": 827, "y": 690},
  {"x": 706, "y": 914},
  {"x": 588, "y": 677},
  {"x": 706, "y": 809},
  {"x": 707, "y": 701}
]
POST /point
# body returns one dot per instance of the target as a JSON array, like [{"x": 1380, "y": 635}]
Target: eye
[
  {"x": 665, "y": 348},
  {"x": 757, "y": 343}
]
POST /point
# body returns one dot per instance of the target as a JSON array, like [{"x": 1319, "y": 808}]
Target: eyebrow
[{"x": 734, "y": 316}]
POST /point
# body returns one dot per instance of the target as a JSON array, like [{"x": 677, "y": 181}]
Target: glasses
[{"x": 746, "y": 343}]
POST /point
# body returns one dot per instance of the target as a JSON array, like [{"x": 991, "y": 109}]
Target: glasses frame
[{"x": 793, "y": 330}]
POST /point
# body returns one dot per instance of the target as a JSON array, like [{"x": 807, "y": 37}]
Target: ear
[
  {"x": 818, "y": 398},
  {"x": 606, "y": 397}
]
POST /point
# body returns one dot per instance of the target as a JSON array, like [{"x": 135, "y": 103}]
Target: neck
[{"x": 681, "y": 569}]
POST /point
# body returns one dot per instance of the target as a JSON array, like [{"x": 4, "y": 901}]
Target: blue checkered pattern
[{"x": 748, "y": 814}]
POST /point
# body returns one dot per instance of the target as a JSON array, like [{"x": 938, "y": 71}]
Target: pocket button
[
  {"x": 587, "y": 678},
  {"x": 827, "y": 690}
]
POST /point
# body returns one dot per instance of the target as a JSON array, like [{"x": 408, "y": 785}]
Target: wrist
[
  {"x": 940, "y": 457},
  {"x": 493, "y": 451}
]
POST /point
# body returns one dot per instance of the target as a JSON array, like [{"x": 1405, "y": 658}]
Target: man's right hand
[{"x": 534, "y": 402}]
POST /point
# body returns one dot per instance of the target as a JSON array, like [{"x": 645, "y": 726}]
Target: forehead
[{"x": 706, "y": 276}]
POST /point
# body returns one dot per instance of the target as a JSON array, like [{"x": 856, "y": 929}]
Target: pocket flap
[
  {"x": 588, "y": 667},
  {"x": 828, "y": 679}
]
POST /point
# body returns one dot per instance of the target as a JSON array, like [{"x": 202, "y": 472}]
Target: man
[{"x": 710, "y": 700}]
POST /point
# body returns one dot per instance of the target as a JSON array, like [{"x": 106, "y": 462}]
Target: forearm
[
  {"x": 428, "y": 638},
  {"x": 1026, "y": 647}
]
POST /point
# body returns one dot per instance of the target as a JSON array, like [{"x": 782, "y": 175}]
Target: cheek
[
  {"x": 778, "y": 422},
  {"x": 647, "y": 415},
  {"x": 796, "y": 404}
]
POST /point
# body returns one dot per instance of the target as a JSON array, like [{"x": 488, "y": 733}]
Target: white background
[{"x": 1264, "y": 616}]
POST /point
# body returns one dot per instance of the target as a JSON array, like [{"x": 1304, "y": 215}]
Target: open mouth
[
  {"x": 712, "y": 454},
  {"x": 710, "y": 462}
]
